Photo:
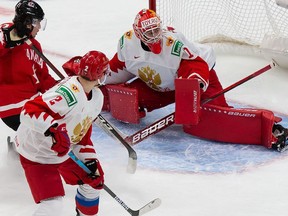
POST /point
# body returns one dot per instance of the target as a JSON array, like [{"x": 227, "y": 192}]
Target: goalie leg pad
[
  {"x": 239, "y": 126},
  {"x": 123, "y": 102},
  {"x": 106, "y": 105},
  {"x": 187, "y": 101}
]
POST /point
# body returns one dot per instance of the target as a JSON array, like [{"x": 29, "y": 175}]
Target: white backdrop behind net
[
  {"x": 243, "y": 20},
  {"x": 253, "y": 23}
]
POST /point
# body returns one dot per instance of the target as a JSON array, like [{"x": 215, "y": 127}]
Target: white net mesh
[{"x": 245, "y": 21}]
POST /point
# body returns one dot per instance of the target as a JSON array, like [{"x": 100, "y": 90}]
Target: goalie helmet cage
[{"x": 258, "y": 27}]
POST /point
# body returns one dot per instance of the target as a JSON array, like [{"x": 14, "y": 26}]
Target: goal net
[{"x": 261, "y": 25}]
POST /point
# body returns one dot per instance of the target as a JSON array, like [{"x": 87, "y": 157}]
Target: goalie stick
[
  {"x": 132, "y": 161},
  {"x": 169, "y": 119},
  {"x": 148, "y": 207}
]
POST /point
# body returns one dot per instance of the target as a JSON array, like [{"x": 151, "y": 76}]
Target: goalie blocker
[{"x": 187, "y": 105}]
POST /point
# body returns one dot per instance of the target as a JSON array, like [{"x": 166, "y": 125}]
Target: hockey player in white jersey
[
  {"x": 168, "y": 68},
  {"x": 53, "y": 124}
]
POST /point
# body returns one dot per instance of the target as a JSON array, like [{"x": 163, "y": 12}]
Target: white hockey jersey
[
  {"x": 64, "y": 103},
  {"x": 158, "y": 70}
]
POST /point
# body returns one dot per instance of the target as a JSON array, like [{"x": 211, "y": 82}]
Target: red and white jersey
[
  {"x": 159, "y": 71},
  {"x": 64, "y": 103},
  {"x": 23, "y": 75}
]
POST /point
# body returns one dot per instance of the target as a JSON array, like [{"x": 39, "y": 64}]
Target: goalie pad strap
[{"x": 239, "y": 126}]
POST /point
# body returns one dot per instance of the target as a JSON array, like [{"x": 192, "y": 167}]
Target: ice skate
[
  {"x": 77, "y": 212},
  {"x": 281, "y": 134}
]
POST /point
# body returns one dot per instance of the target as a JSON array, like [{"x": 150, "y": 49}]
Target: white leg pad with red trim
[
  {"x": 187, "y": 101},
  {"x": 242, "y": 126},
  {"x": 123, "y": 103}
]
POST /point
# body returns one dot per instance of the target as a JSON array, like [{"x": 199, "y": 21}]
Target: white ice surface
[{"x": 191, "y": 176}]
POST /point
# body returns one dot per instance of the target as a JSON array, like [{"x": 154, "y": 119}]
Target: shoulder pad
[{"x": 6, "y": 26}]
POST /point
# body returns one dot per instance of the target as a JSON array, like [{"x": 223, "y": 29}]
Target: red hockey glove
[
  {"x": 96, "y": 178},
  {"x": 61, "y": 141}
]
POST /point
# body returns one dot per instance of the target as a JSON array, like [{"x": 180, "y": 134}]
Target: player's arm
[
  {"x": 118, "y": 73},
  {"x": 193, "y": 80},
  {"x": 85, "y": 151},
  {"x": 41, "y": 114},
  {"x": 37, "y": 115},
  {"x": 195, "y": 69}
]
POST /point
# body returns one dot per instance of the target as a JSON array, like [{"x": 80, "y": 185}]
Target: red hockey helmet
[
  {"x": 72, "y": 66},
  {"x": 93, "y": 65},
  {"x": 148, "y": 28}
]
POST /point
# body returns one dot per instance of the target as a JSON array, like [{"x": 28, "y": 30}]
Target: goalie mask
[
  {"x": 28, "y": 14},
  {"x": 93, "y": 66},
  {"x": 147, "y": 27}
]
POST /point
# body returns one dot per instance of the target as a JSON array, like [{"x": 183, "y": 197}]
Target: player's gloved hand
[
  {"x": 12, "y": 39},
  {"x": 61, "y": 140},
  {"x": 96, "y": 178}
]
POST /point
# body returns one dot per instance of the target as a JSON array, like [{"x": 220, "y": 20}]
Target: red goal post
[{"x": 255, "y": 26}]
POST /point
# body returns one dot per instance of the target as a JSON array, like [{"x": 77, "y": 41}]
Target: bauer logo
[
  {"x": 149, "y": 22},
  {"x": 67, "y": 94},
  {"x": 242, "y": 114},
  {"x": 176, "y": 49},
  {"x": 157, "y": 126}
]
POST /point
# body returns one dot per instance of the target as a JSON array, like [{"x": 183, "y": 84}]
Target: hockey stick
[
  {"x": 59, "y": 74},
  {"x": 169, "y": 119},
  {"x": 148, "y": 207},
  {"x": 132, "y": 161}
]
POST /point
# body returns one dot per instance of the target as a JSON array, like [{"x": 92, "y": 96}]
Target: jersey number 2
[{"x": 57, "y": 99}]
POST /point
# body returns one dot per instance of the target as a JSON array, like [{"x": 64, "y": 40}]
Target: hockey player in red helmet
[
  {"x": 55, "y": 123},
  {"x": 74, "y": 65},
  {"x": 93, "y": 66}
]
